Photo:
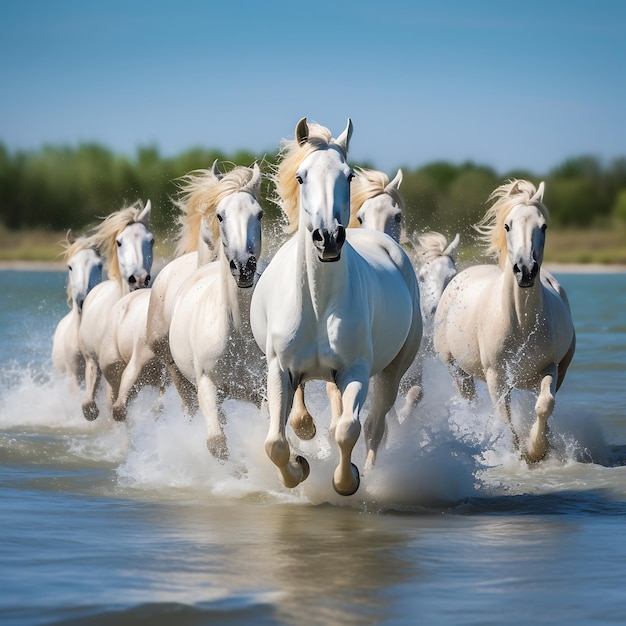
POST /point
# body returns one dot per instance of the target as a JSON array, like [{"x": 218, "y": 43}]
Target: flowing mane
[
  {"x": 201, "y": 193},
  {"x": 369, "y": 184},
  {"x": 292, "y": 154},
  {"x": 105, "y": 234},
  {"x": 429, "y": 246},
  {"x": 507, "y": 196}
]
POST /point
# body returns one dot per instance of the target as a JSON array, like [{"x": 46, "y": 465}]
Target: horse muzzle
[
  {"x": 329, "y": 244},
  {"x": 525, "y": 275},
  {"x": 243, "y": 273},
  {"x": 138, "y": 281}
]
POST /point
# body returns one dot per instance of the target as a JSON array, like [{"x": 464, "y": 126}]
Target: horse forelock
[
  {"x": 509, "y": 195},
  {"x": 201, "y": 193},
  {"x": 105, "y": 234},
  {"x": 430, "y": 246},
  {"x": 368, "y": 184},
  {"x": 292, "y": 154}
]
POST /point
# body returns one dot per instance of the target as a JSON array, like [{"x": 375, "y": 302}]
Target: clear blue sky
[{"x": 506, "y": 84}]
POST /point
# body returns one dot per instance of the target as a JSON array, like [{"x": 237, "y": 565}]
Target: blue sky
[{"x": 505, "y": 84}]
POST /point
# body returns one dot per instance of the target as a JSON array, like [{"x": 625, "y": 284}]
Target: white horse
[
  {"x": 435, "y": 267},
  {"x": 334, "y": 304},
  {"x": 509, "y": 325},
  {"x": 127, "y": 238},
  {"x": 209, "y": 337},
  {"x": 84, "y": 265},
  {"x": 375, "y": 203}
]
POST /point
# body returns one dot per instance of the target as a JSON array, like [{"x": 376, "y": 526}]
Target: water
[{"x": 135, "y": 523}]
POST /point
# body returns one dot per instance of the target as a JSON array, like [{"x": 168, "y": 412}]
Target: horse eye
[
  {"x": 119, "y": 243},
  {"x": 351, "y": 176},
  {"x": 260, "y": 215},
  {"x": 219, "y": 217},
  {"x": 398, "y": 218},
  {"x": 69, "y": 267},
  {"x": 544, "y": 228},
  {"x": 507, "y": 228},
  {"x": 299, "y": 179},
  {"x": 359, "y": 219},
  {"x": 152, "y": 241}
]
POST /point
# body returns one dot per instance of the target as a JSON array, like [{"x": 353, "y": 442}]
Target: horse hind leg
[{"x": 300, "y": 419}]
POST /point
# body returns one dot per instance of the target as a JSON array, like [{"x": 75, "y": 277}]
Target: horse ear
[
  {"x": 396, "y": 182},
  {"x": 70, "y": 237},
  {"x": 343, "y": 141},
  {"x": 144, "y": 216},
  {"x": 452, "y": 248},
  {"x": 216, "y": 171},
  {"x": 538, "y": 197},
  {"x": 302, "y": 131},
  {"x": 255, "y": 181}
]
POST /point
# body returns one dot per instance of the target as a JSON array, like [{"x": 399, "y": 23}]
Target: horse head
[
  {"x": 84, "y": 265},
  {"x": 525, "y": 228},
  {"x": 239, "y": 217},
  {"x": 377, "y": 202},
  {"x": 324, "y": 180},
  {"x": 134, "y": 250}
]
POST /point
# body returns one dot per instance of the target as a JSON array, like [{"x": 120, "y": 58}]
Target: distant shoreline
[{"x": 554, "y": 268}]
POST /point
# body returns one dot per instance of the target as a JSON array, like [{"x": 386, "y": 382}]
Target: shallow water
[{"x": 135, "y": 523}]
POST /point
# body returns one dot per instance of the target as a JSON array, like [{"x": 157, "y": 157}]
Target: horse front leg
[
  {"x": 211, "y": 409},
  {"x": 353, "y": 386},
  {"x": 280, "y": 393},
  {"x": 92, "y": 379},
  {"x": 301, "y": 420},
  {"x": 501, "y": 397},
  {"x": 537, "y": 446}
]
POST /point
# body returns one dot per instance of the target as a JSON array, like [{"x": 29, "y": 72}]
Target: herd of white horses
[{"x": 341, "y": 301}]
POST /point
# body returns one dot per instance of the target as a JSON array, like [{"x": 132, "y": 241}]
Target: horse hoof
[
  {"x": 357, "y": 482},
  {"x": 306, "y": 468},
  {"x": 305, "y": 431},
  {"x": 218, "y": 447},
  {"x": 90, "y": 411},
  {"x": 119, "y": 414}
]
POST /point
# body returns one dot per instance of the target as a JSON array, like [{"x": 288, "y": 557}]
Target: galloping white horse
[
  {"x": 126, "y": 237},
  {"x": 84, "y": 265},
  {"x": 210, "y": 337},
  {"x": 334, "y": 304},
  {"x": 510, "y": 325},
  {"x": 435, "y": 267},
  {"x": 376, "y": 203},
  {"x": 198, "y": 241}
]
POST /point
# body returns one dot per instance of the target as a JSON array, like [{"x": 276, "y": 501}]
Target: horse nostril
[
  {"x": 516, "y": 268},
  {"x": 233, "y": 266},
  {"x": 132, "y": 280},
  {"x": 148, "y": 277},
  {"x": 534, "y": 270},
  {"x": 317, "y": 235}
]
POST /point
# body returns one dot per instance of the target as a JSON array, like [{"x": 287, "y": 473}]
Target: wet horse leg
[
  {"x": 280, "y": 392},
  {"x": 501, "y": 397},
  {"x": 538, "y": 445},
  {"x": 92, "y": 379},
  {"x": 300, "y": 419},
  {"x": 354, "y": 385},
  {"x": 211, "y": 409}
]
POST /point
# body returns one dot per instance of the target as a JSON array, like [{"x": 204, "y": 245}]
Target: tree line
[{"x": 59, "y": 187}]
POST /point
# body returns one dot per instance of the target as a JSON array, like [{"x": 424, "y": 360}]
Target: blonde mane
[
  {"x": 70, "y": 249},
  {"x": 105, "y": 234},
  {"x": 201, "y": 193},
  {"x": 291, "y": 155},
  {"x": 369, "y": 184},
  {"x": 507, "y": 196},
  {"x": 429, "y": 246}
]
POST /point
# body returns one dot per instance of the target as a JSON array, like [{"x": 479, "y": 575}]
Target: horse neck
[
  {"x": 321, "y": 281},
  {"x": 522, "y": 305}
]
